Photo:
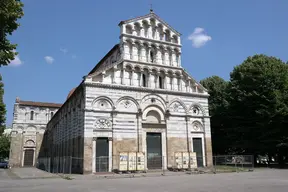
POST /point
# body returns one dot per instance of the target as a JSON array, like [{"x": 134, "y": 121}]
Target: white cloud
[
  {"x": 64, "y": 50},
  {"x": 49, "y": 59},
  {"x": 199, "y": 38},
  {"x": 16, "y": 61}
]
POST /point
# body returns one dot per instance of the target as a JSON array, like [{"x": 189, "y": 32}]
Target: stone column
[
  {"x": 148, "y": 51},
  {"x": 180, "y": 78},
  {"x": 189, "y": 86},
  {"x": 208, "y": 142},
  {"x": 143, "y": 53},
  {"x": 173, "y": 81},
  {"x": 132, "y": 77},
  {"x": 165, "y": 80},
  {"x": 123, "y": 76},
  {"x": 114, "y": 75},
  {"x": 94, "y": 155},
  {"x": 149, "y": 79}
]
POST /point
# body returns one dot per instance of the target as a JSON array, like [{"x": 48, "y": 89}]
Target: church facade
[
  {"x": 29, "y": 124},
  {"x": 137, "y": 99}
]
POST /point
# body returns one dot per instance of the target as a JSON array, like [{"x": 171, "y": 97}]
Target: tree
[
  {"x": 4, "y": 146},
  {"x": 258, "y": 105},
  {"x": 10, "y": 11},
  {"x": 218, "y": 104},
  {"x": 2, "y": 108}
]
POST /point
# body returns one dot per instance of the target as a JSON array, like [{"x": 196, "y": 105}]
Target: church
[{"x": 137, "y": 100}]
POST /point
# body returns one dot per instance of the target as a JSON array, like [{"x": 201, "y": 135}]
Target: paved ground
[{"x": 264, "y": 180}]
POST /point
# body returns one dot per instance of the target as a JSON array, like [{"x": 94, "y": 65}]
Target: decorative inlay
[
  {"x": 195, "y": 111},
  {"x": 176, "y": 107},
  {"x": 197, "y": 126},
  {"x": 103, "y": 123},
  {"x": 127, "y": 104}
]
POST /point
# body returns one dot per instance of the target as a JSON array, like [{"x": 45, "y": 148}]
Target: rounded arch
[
  {"x": 197, "y": 126},
  {"x": 180, "y": 102},
  {"x": 197, "y": 105},
  {"x": 129, "y": 29},
  {"x": 153, "y": 112},
  {"x": 107, "y": 99},
  {"x": 29, "y": 143},
  {"x": 154, "y": 97},
  {"x": 128, "y": 98}
]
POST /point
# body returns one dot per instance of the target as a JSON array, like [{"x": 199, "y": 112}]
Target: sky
[{"x": 60, "y": 41}]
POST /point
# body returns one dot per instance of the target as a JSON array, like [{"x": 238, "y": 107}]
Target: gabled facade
[
  {"x": 137, "y": 99},
  {"x": 29, "y": 123}
]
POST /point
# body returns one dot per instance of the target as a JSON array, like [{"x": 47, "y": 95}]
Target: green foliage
[
  {"x": 4, "y": 146},
  {"x": 258, "y": 104},
  {"x": 10, "y": 11},
  {"x": 218, "y": 104},
  {"x": 2, "y": 108},
  {"x": 250, "y": 112}
]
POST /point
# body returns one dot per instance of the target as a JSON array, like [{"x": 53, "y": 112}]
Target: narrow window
[
  {"x": 32, "y": 115},
  {"x": 151, "y": 57},
  {"x": 160, "y": 83},
  {"x": 144, "y": 80},
  {"x": 52, "y": 114}
]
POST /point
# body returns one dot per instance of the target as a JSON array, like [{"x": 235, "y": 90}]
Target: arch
[
  {"x": 103, "y": 98},
  {"x": 178, "y": 101},
  {"x": 174, "y": 39},
  {"x": 128, "y": 98},
  {"x": 161, "y": 101},
  {"x": 201, "y": 109},
  {"x": 158, "y": 113},
  {"x": 197, "y": 126},
  {"x": 137, "y": 28},
  {"x": 29, "y": 143},
  {"x": 128, "y": 29}
]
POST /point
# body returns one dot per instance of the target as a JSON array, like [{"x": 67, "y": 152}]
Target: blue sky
[{"x": 59, "y": 41}]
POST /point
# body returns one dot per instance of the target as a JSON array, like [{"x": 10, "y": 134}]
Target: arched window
[
  {"x": 153, "y": 32},
  {"x": 161, "y": 83},
  {"x": 32, "y": 115},
  {"x": 144, "y": 80}
]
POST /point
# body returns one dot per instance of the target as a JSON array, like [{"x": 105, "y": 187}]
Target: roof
[
  {"x": 151, "y": 14},
  {"x": 39, "y": 104},
  {"x": 71, "y": 92},
  {"x": 103, "y": 59}
]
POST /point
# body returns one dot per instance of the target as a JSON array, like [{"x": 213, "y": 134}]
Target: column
[
  {"x": 132, "y": 77},
  {"x": 143, "y": 52},
  {"x": 94, "y": 155},
  {"x": 110, "y": 154},
  {"x": 122, "y": 77},
  {"x": 172, "y": 82},
  {"x": 179, "y": 60},
  {"x": 165, "y": 80},
  {"x": 114, "y": 75},
  {"x": 180, "y": 78},
  {"x": 189, "y": 86},
  {"x": 148, "y": 51},
  {"x": 149, "y": 79}
]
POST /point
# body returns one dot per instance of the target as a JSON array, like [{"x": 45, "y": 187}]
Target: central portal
[
  {"x": 154, "y": 150},
  {"x": 102, "y": 154}
]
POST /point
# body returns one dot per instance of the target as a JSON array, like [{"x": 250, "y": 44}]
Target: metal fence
[
  {"x": 233, "y": 163},
  {"x": 66, "y": 165},
  {"x": 142, "y": 164}
]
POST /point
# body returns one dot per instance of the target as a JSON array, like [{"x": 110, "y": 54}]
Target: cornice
[
  {"x": 143, "y": 89},
  {"x": 152, "y": 64},
  {"x": 151, "y": 40}
]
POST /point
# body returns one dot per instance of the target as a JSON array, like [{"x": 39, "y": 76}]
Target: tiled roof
[
  {"x": 40, "y": 104},
  {"x": 71, "y": 92}
]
